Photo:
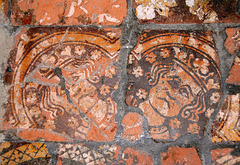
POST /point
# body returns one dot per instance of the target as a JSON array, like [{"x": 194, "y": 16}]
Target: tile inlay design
[
  {"x": 174, "y": 79},
  {"x": 61, "y": 82}
]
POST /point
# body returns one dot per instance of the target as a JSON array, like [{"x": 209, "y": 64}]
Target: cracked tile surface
[{"x": 61, "y": 81}]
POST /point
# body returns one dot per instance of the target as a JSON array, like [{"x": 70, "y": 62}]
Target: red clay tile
[
  {"x": 227, "y": 125},
  {"x": 83, "y": 154},
  {"x": 175, "y": 80},
  {"x": 186, "y": 11},
  {"x": 61, "y": 81},
  {"x": 23, "y": 153},
  {"x": 132, "y": 125},
  {"x": 224, "y": 156},
  {"x": 61, "y": 12},
  {"x": 3, "y": 10},
  {"x": 234, "y": 77},
  {"x": 104, "y": 154},
  {"x": 134, "y": 156},
  {"x": 177, "y": 155},
  {"x": 232, "y": 43}
]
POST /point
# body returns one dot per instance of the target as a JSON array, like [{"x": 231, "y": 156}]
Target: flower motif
[
  {"x": 137, "y": 71},
  {"x": 142, "y": 94},
  {"x": 80, "y": 50},
  {"x": 193, "y": 128},
  {"x": 201, "y": 64},
  {"x": 215, "y": 97},
  {"x": 104, "y": 90},
  {"x": 179, "y": 55},
  {"x": 145, "y": 11},
  {"x": 66, "y": 51},
  {"x": 131, "y": 59},
  {"x": 96, "y": 55},
  {"x": 211, "y": 84},
  {"x": 165, "y": 53},
  {"x": 174, "y": 123},
  {"x": 151, "y": 57},
  {"x": 209, "y": 112},
  {"x": 110, "y": 72}
]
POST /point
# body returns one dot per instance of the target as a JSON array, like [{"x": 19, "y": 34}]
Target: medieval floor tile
[
  {"x": 134, "y": 156},
  {"x": 85, "y": 154},
  {"x": 186, "y": 11},
  {"x": 176, "y": 155},
  {"x": 61, "y": 81},
  {"x": 225, "y": 156},
  {"x": 61, "y": 12},
  {"x": 232, "y": 43},
  {"x": 227, "y": 124},
  {"x": 132, "y": 125},
  {"x": 174, "y": 79},
  {"x": 3, "y": 11},
  {"x": 24, "y": 153},
  {"x": 234, "y": 77},
  {"x": 104, "y": 154}
]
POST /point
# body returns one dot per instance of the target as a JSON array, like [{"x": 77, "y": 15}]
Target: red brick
[
  {"x": 177, "y": 155},
  {"x": 61, "y": 12},
  {"x": 224, "y": 156},
  {"x": 186, "y": 11},
  {"x": 72, "y": 102},
  {"x": 23, "y": 153},
  {"x": 170, "y": 75},
  {"x": 227, "y": 125}
]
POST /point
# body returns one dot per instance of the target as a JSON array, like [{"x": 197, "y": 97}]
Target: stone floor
[{"x": 120, "y": 82}]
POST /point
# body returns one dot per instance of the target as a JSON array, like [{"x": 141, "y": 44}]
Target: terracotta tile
[
  {"x": 186, "y": 11},
  {"x": 61, "y": 81},
  {"x": 174, "y": 79},
  {"x": 132, "y": 125},
  {"x": 134, "y": 156},
  {"x": 79, "y": 153},
  {"x": 225, "y": 156},
  {"x": 233, "y": 77},
  {"x": 176, "y": 155},
  {"x": 232, "y": 43},
  {"x": 227, "y": 125},
  {"x": 3, "y": 11},
  {"x": 104, "y": 154},
  {"x": 61, "y": 12},
  {"x": 23, "y": 153}
]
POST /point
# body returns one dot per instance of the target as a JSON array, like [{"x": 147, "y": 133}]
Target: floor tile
[
  {"x": 61, "y": 81},
  {"x": 177, "y": 155},
  {"x": 225, "y": 156},
  {"x": 174, "y": 78},
  {"x": 61, "y": 12},
  {"x": 227, "y": 124},
  {"x": 186, "y": 11},
  {"x": 232, "y": 42},
  {"x": 24, "y": 153}
]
